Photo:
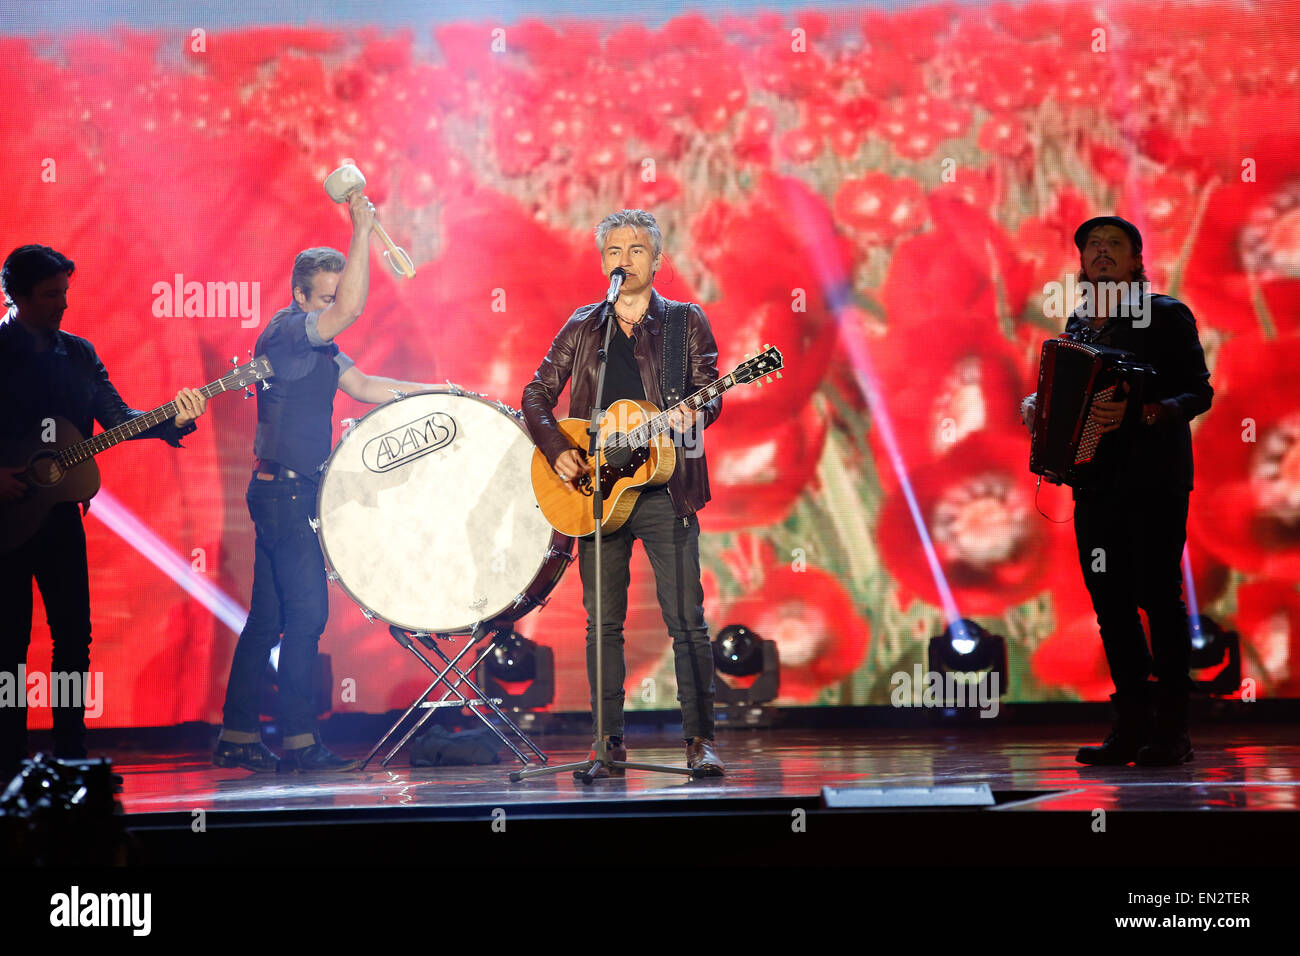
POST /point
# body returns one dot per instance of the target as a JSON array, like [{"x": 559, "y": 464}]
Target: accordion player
[{"x": 1073, "y": 377}]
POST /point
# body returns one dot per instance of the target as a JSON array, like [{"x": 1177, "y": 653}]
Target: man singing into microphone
[
  {"x": 663, "y": 518},
  {"x": 294, "y": 419}
]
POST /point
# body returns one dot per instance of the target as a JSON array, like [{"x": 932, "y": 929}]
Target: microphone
[{"x": 615, "y": 283}]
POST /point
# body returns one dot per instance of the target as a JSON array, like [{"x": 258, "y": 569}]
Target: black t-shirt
[
  {"x": 295, "y": 415},
  {"x": 623, "y": 376}
]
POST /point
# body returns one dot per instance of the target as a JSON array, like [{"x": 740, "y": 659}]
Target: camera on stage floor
[{"x": 62, "y": 812}]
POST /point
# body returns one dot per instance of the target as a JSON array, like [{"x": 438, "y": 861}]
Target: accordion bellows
[{"x": 1072, "y": 378}]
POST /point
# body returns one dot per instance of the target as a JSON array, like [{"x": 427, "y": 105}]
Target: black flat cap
[{"x": 1081, "y": 234}]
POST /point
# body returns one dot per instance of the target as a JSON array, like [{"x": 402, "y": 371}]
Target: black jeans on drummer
[
  {"x": 290, "y": 605},
  {"x": 673, "y": 546},
  {"x": 1137, "y": 537}
]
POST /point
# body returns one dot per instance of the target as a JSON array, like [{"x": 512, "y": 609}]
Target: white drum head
[{"x": 427, "y": 513}]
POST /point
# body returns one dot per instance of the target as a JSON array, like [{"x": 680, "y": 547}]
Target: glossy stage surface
[{"x": 1029, "y": 769}]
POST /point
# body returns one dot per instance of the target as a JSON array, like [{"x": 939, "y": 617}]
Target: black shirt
[
  {"x": 65, "y": 380},
  {"x": 295, "y": 415},
  {"x": 623, "y": 376}
]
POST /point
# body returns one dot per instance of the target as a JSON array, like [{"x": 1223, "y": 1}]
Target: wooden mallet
[{"x": 342, "y": 183}]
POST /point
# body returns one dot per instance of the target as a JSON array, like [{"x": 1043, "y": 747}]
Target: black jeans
[
  {"x": 1137, "y": 537},
  {"x": 56, "y": 557},
  {"x": 673, "y": 547},
  {"x": 290, "y": 597}
]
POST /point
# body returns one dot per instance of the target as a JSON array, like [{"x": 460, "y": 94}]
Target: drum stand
[
  {"x": 586, "y": 769},
  {"x": 457, "y": 698}
]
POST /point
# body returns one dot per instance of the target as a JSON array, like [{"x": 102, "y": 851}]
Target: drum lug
[
  {"x": 398, "y": 393},
  {"x": 507, "y": 410},
  {"x": 453, "y": 389},
  {"x": 331, "y": 577},
  {"x": 315, "y": 525},
  {"x": 347, "y": 424},
  {"x": 368, "y": 615}
]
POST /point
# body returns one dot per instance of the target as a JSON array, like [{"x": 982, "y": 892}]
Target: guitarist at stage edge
[
  {"x": 47, "y": 373},
  {"x": 663, "y": 518}
]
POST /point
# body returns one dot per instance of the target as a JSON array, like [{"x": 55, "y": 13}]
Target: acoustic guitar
[
  {"x": 635, "y": 451},
  {"x": 59, "y": 464}
]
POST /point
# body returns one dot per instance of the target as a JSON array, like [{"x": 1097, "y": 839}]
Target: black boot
[
  {"x": 1130, "y": 733},
  {"x": 1169, "y": 744},
  {"x": 315, "y": 758},
  {"x": 254, "y": 757}
]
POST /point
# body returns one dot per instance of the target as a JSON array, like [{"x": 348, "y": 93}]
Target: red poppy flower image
[
  {"x": 820, "y": 636},
  {"x": 1245, "y": 510},
  {"x": 1073, "y": 659},
  {"x": 977, "y": 508},
  {"x": 879, "y": 208},
  {"x": 797, "y": 161},
  {"x": 1268, "y": 620},
  {"x": 1244, "y": 272},
  {"x": 757, "y": 473},
  {"x": 944, "y": 389}
]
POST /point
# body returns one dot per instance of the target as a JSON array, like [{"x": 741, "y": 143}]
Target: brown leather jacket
[{"x": 573, "y": 355}]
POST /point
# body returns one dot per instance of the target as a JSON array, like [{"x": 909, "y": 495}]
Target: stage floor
[{"x": 1030, "y": 769}]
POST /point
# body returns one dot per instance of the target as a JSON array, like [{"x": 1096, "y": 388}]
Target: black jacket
[
  {"x": 573, "y": 355},
  {"x": 1155, "y": 456}
]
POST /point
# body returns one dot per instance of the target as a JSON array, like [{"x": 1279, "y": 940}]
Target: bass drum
[{"x": 428, "y": 518}]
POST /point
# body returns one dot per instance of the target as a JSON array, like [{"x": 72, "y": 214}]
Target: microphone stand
[{"x": 586, "y": 769}]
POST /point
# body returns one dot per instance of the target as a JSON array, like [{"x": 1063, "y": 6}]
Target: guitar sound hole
[
  {"x": 617, "y": 454},
  {"x": 46, "y": 472}
]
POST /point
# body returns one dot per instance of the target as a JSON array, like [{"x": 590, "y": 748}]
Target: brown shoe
[
  {"x": 703, "y": 760},
  {"x": 618, "y": 753}
]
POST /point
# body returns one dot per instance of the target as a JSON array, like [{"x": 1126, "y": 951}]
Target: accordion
[{"x": 1072, "y": 378}]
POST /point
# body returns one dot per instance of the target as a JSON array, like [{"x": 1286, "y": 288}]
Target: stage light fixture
[
  {"x": 965, "y": 647},
  {"x": 752, "y": 664},
  {"x": 1213, "y": 646},
  {"x": 519, "y": 671}
]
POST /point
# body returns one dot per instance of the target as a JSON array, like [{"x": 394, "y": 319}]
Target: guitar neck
[
  {"x": 660, "y": 423},
  {"x": 88, "y": 448}
]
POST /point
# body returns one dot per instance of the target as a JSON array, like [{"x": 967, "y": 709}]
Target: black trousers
[
  {"x": 56, "y": 558},
  {"x": 290, "y": 598},
  {"x": 1131, "y": 549},
  {"x": 673, "y": 547}
]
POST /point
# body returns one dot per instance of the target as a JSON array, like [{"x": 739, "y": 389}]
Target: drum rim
[{"x": 555, "y": 545}]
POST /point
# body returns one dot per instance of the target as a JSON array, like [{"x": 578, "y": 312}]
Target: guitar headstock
[
  {"x": 764, "y": 364},
  {"x": 257, "y": 370}
]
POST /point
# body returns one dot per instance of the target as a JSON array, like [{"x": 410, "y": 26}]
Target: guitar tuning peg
[
  {"x": 769, "y": 380},
  {"x": 266, "y": 386},
  {"x": 778, "y": 374},
  {"x": 767, "y": 345},
  {"x": 234, "y": 361},
  {"x": 758, "y": 382}
]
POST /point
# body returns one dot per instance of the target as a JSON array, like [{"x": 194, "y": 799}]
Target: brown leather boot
[
  {"x": 702, "y": 760},
  {"x": 614, "y": 746}
]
